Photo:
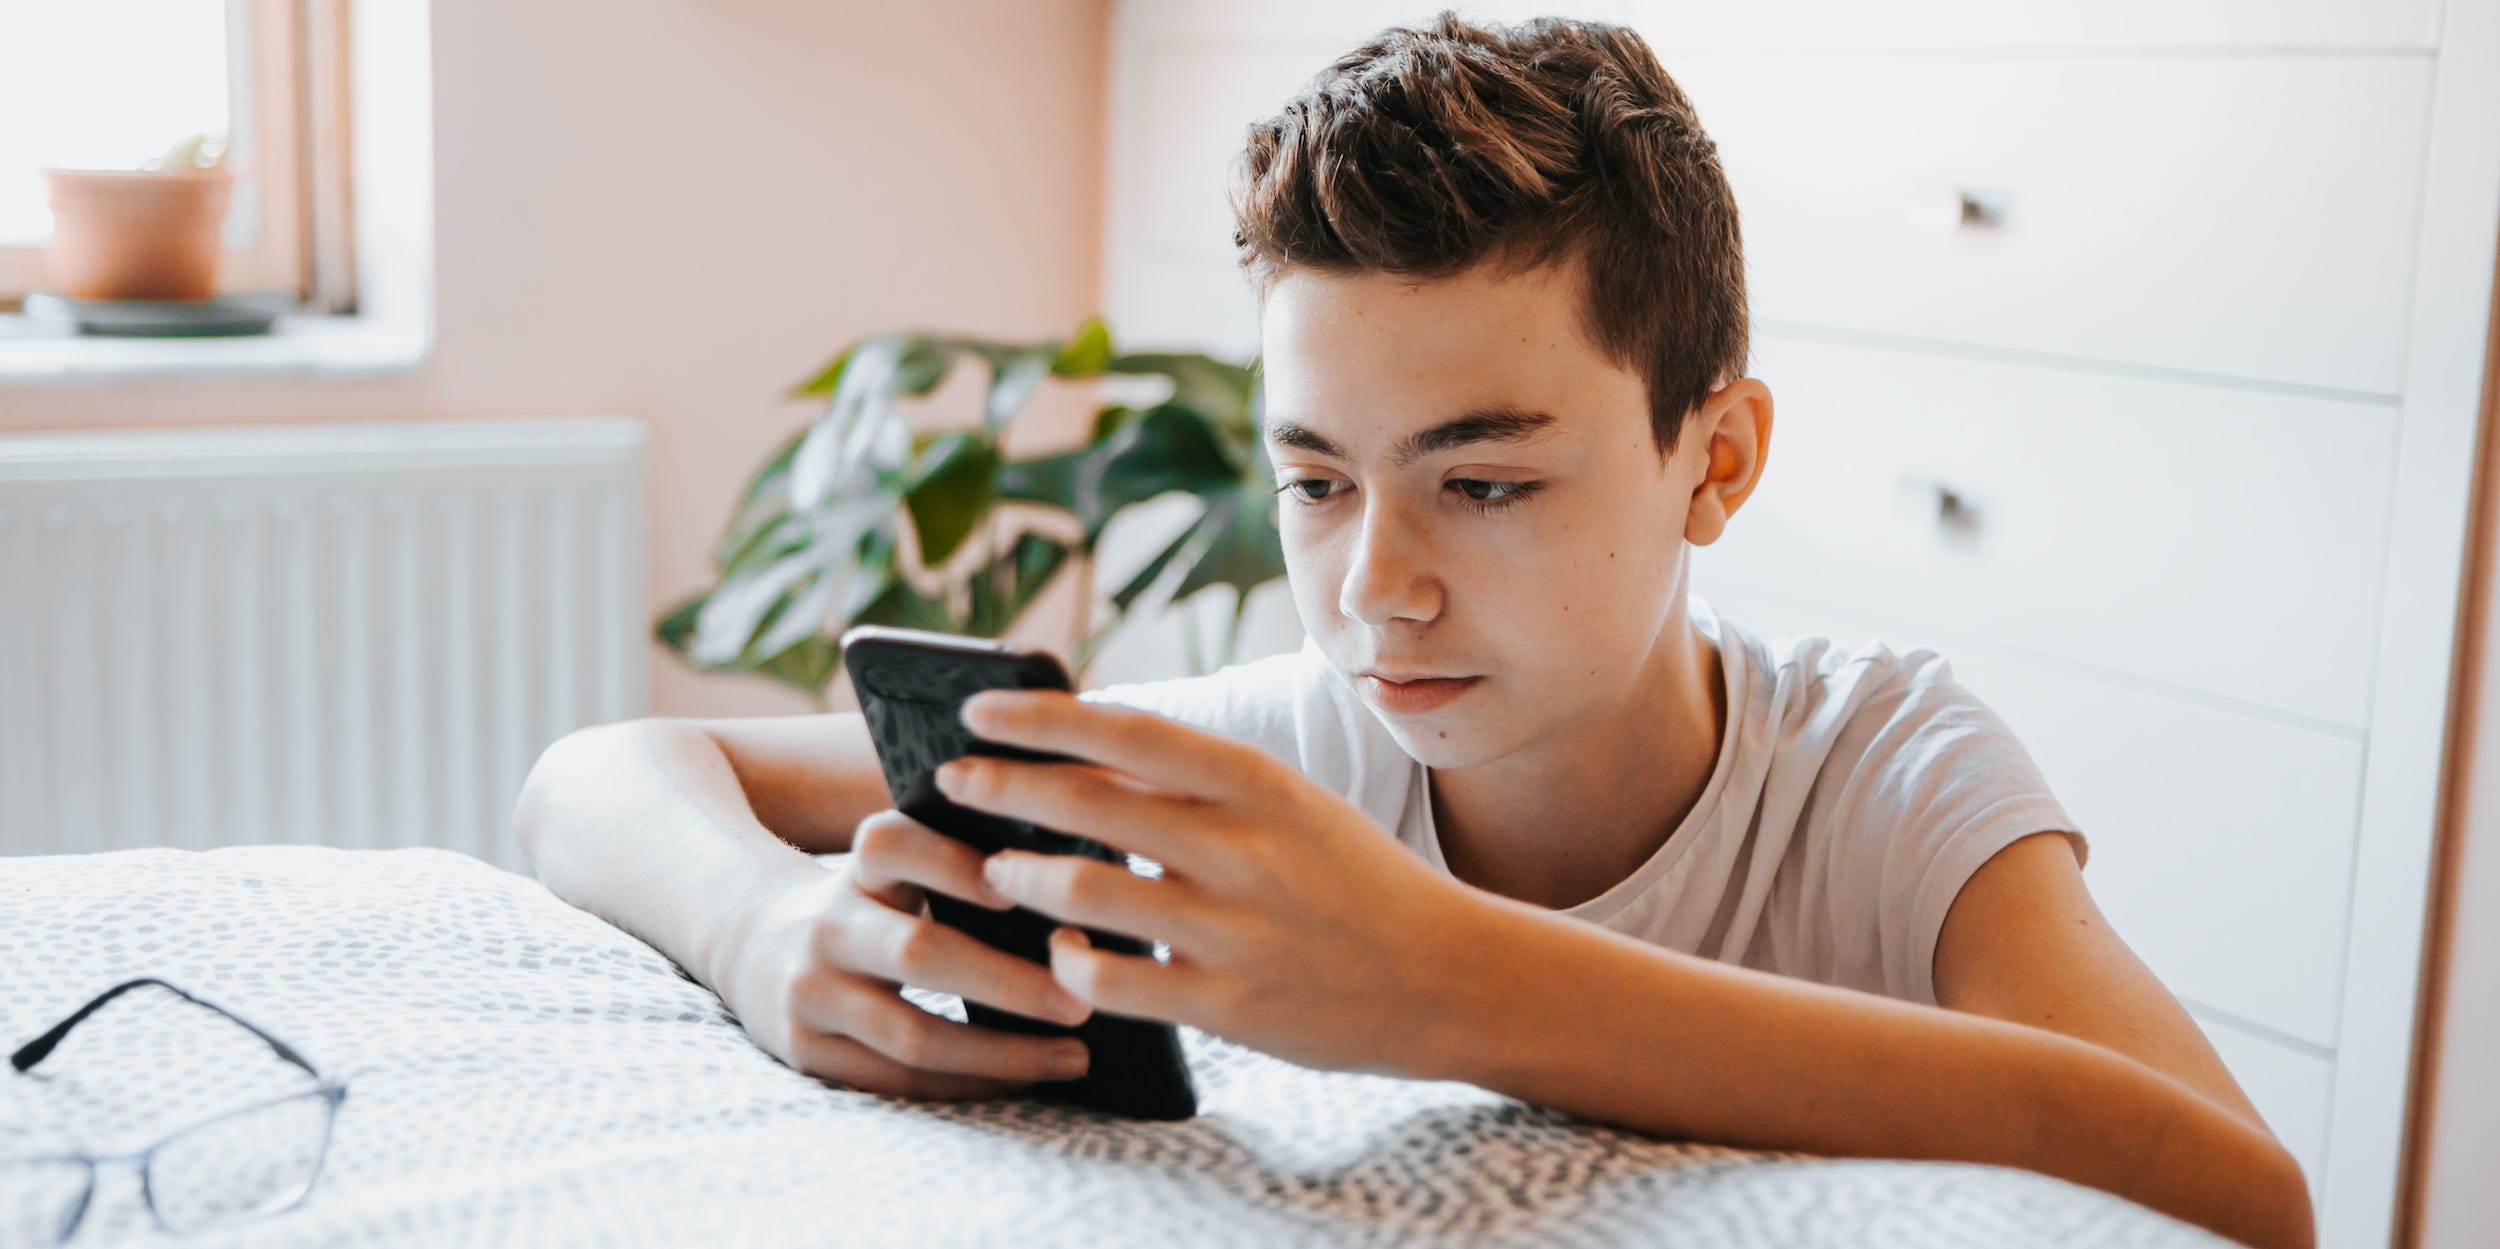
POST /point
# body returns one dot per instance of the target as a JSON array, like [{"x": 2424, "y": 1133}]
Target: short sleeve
[
  {"x": 1251, "y": 701},
  {"x": 1294, "y": 707},
  {"x": 1938, "y": 785}
]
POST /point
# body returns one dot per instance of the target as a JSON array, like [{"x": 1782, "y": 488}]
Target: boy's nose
[{"x": 1388, "y": 575}]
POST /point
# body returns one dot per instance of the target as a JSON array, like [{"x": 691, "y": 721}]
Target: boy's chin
[{"x": 1447, "y": 747}]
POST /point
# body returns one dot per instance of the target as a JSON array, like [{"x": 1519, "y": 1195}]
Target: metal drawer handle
[
  {"x": 1957, "y": 514},
  {"x": 1952, "y": 511},
  {"x": 1963, "y": 208}
]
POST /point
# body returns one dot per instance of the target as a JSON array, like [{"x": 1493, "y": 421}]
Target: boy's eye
[
  {"x": 1300, "y": 488},
  {"x": 1488, "y": 491}
]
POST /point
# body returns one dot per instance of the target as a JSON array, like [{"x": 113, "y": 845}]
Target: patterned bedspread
[{"x": 522, "y": 1072}]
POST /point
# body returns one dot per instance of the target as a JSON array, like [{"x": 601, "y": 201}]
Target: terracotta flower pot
[{"x": 125, "y": 234}]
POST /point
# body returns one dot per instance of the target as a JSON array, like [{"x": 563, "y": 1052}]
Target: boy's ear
[{"x": 1730, "y": 433}]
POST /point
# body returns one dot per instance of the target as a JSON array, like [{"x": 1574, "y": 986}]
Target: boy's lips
[
  {"x": 1415, "y": 694},
  {"x": 1403, "y": 676}
]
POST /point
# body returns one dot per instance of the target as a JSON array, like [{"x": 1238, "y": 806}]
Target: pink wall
[{"x": 671, "y": 210}]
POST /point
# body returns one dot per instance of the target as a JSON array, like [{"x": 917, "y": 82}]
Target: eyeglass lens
[
  {"x": 256, "y": 1158},
  {"x": 241, "y": 1166}
]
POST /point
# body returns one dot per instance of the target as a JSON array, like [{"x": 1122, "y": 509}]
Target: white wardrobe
[{"x": 2129, "y": 355}]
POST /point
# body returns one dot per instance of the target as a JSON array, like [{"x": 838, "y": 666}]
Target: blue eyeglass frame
[{"x": 329, "y": 1088}]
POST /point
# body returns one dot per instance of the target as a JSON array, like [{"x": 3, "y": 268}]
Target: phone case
[{"x": 911, "y": 686}]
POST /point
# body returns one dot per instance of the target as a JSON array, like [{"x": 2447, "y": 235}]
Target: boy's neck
[{"x": 1562, "y": 825}]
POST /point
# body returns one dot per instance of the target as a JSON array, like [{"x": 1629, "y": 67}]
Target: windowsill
[
  {"x": 36, "y": 349},
  {"x": 390, "y": 77}
]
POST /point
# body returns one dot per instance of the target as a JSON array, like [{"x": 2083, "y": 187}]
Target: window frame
[{"x": 287, "y": 89}]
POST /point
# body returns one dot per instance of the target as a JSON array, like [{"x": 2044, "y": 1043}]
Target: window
[{"x": 105, "y": 84}]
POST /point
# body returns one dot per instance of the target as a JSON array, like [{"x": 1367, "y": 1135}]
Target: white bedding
[{"x": 521, "y": 1072}]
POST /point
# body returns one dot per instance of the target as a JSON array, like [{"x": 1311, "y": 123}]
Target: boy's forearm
[
  {"x": 644, "y": 825},
  {"x": 1560, "y": 1013}
]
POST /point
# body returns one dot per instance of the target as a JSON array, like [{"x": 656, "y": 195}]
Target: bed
[{"x": 520, "y": 1071}]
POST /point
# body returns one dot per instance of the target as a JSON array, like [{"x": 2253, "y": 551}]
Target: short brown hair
[{"x": 1425, "y": 152}]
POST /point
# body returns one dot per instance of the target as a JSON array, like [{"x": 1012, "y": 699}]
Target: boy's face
[{"x": 1537, "y": 551}]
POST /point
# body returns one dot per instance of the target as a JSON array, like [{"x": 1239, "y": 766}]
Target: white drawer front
[
  {"x": 2294, "y": 1091},
  {"x": 1841, "y": 23},
  {"x": 2249, "y": 217},
  {"x": 2213, "y": 538},
  {"x": 2221, "y": 843}
]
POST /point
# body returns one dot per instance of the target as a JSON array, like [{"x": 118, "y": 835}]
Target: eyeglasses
[{"x": 241, "y": 1165}]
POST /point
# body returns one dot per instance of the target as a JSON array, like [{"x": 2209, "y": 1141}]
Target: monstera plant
[{"x": 815, "y": 543}]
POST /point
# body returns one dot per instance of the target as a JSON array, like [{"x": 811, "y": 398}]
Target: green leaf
[
  {"x": 759, "y": 505},
  {"x": 1127, "y": 595},
  {"x": 808, "y": 666},
  {"x": 957, "y": 485},
  {"x": 1168, "y": 448},
  {"x": 926, "y": 362},
  {"x": 1242, "y": 551},
  {"x": 838, "y": 591},
  {"x": 731, "y": 616},
  {"x": 810, "y": 544},
  {"x": 1049, "y": 479},
  {"x": 1036, "y": 560},
  {"x": 1012, "y": 383},
  {"x": 1006, "y": 586},
  {"x": 860, "y": 432},
  {"x": 762, "y": 483},
  {"x": 676, "y": 627},
  {"x": 777, "y": 536},
  {"x": 906, "y": 608},
  {"x": 1109, "y": 421},
  {"x": 1087, "y": 353},
  {"x": 826, "y": 378},
  {"x": 1217, "y": 390}
]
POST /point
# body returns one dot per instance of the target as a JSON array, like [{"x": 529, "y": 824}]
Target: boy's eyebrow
[{"x": 1499, "y": 423}]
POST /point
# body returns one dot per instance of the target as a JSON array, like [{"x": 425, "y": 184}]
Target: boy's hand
[
  {"x": 816, "y": 977},
  {"x": 1297, "y": 926}
]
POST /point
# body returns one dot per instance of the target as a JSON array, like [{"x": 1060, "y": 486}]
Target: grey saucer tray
[{"x": 225, "y": 316}]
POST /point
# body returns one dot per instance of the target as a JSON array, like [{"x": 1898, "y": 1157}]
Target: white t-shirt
[{"x": 1853, "y": 795}]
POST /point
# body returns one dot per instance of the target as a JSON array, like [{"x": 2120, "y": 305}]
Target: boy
[{"x": 1645, "y": 868}]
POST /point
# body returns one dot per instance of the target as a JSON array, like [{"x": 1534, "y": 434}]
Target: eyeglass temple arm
[{"x": 34, "y": 1051}]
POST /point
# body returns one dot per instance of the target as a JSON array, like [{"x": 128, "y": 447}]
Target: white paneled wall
[
  {"x": 357, "y": 636},
  {"x": 2164, "y": 439}
]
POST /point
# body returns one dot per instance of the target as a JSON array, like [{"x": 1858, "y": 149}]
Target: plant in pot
[
  {"x": 857, "y": 520},
  {"x": 151, "y": 233}
]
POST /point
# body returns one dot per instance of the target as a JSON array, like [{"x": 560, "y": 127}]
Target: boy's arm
[
  {"x": 676, "y": 830},
  {"x": 2025, "y": 943},
  {"x": 1297, "y": 928},
  {"x": 1593, "y": 1023}
]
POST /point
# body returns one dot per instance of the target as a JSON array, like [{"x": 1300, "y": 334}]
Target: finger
[
  {"x": 1103, "y": 895},
  {"x": 1174, "y": 830},
  {"x": 1134, "y": 985},
  {"x": 1162, "y": 752},
  {"x": 913, "y": 949},
  {"x": 853, "y": 1065},
  {"x": 894, "y": 1027},
  {"x": 892, "y": 848}
]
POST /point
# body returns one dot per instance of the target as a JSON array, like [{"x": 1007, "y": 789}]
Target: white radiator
[{"x": 357, "y": 636}]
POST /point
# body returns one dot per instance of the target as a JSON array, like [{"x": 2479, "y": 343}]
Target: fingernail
[
  {"x": 1065, "y": 1007},
  {"x": 1072, "y": 1060},
  {"x": 993, "y": 870},
  {"x": 950, "y": 775}
]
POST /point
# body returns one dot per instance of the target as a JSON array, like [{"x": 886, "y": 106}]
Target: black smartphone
[{"x": 911, "y": 685}]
